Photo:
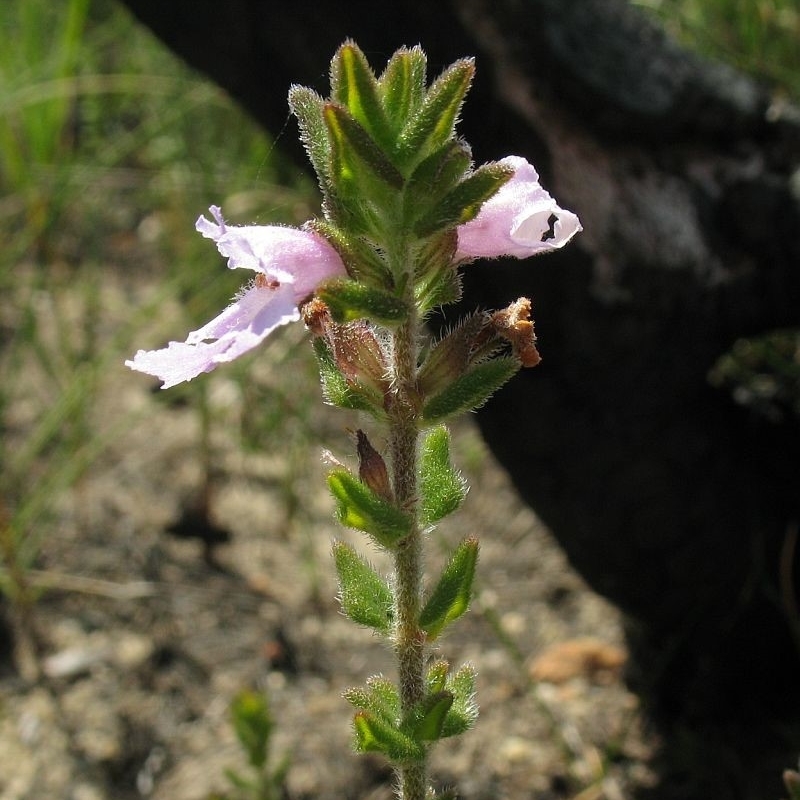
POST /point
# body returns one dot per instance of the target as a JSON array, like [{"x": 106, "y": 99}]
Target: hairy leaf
[
  {"x": 442, "y": 488},
  {"x": 340, "y": 392},
  {"x": 378, "y": 736},
  {"x": 464, "y": 711},
  {"x": 360, "y": 508},
  {"x": 471, "y": 390},
  {"x": 365, "y": 597},
  {"x": 450, "y": 599},
  {"x": 435, "y": 122},
  {"x": 354, "y": 86},
  {"x": 402, "y": 85},
  {"x": 350, "y": 300}
]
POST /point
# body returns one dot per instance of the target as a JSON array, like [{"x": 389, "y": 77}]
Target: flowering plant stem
[
  {"x": 403, "y": 210},
  {"x": 409, "y": 638}
]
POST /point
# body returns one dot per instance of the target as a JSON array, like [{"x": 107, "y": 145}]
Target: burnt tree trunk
[{"x": 671, "y": 500}]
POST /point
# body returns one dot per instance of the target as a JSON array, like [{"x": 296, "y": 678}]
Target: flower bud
[
  {"x": 355, "y": 349},
  {"x": 359, "y": 354},
  {"x": 372, "y": 468},
  {"x": 452, "y": 355}
]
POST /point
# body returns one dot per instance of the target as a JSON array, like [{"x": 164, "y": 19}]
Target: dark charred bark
[{"x": 670, "y": 499}]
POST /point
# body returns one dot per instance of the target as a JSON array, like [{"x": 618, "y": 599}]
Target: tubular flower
[
  {"x": 521, "y": 220},
  {"x": 290, "y": 263}
]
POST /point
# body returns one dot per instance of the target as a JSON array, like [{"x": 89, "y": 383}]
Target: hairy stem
[{"x": 409, "y": 639}]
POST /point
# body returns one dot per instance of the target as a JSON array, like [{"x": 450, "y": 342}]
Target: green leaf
[
  {"x": 443, "y": 169},
  {"x": 363, "y": 261},
  {"x": 360, "y": 508},
  {"x": 464, "y": 711},
  {"x": 374, "y": 735},
  {"x": 436, "y": 278},
  {"x": 349, "y": 300},
  {"x": 354, "y": 86},
  {"x": 253, "y": 725},
  {"x": 359, "y": 166},
  {"x": 307, "y": 106},
  {"x": 369, "y": 738},
  {"x": 380, "y": 697},
  {"x": 431, "y": 716},
  {"x": 453, "y": 355},
  {"x": 450, "y": 599},
  {"x": 433, "y": 178},
  {"x": 439, "y": 289},
  {"x": 437, "y": 676},
  {"x": 464, "y": 201},
  {"x": 402, "y": 85},
  {"x": 461, "y": 686},
  {"x": 435, "y": 121},
  {"x": 365, "y": 597},
  {"x": 340, "y": 392},
  {"x": 442, "y": 488},
  {"x": 471, "y": 390}
]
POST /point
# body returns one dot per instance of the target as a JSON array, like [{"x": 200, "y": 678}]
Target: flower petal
[
  {"x": 299, "y": 257},
  {"x": 521, "y": 220},
  {"x": 177, "y": 362},
  {"x": 245, "y": 310},
  {"x": 240, "y": 327}
]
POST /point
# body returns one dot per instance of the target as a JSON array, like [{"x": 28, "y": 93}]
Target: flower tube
[{"x": 521, "y": 220}]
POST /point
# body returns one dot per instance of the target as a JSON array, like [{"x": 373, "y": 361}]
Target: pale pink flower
[
  {"x": 521, "y": 220},
  {"x": 290, "y": 264}
]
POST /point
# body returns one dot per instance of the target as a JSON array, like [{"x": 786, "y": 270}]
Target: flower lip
[{"x": 243, "y": 325}]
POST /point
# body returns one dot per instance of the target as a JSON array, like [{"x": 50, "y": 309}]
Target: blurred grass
[
  {"x": 761, "y": 37},
  {"x": 110, "y": 148}
]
